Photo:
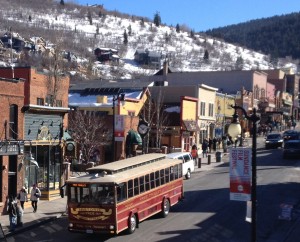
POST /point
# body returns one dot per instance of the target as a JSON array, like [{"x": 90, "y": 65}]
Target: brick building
[
  {"x": 43, "y": 119},
  {"x": 11, "y": 139}
]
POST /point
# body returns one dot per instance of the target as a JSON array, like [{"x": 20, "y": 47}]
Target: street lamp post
[
  {"x": 119, "y": 96},
  {"x": 235, "y": 130}
]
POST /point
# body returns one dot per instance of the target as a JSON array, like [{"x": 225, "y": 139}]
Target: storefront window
[{"x": 47, "y": 162}]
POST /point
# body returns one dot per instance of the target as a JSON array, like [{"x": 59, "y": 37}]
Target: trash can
[{"x": 218, "y": 156}]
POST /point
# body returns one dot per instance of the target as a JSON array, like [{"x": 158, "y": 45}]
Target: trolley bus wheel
[
  {"x": 165, "y": 208},
  {"x": 132, "y": 224}
]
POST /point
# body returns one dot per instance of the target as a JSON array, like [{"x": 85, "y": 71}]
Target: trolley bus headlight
[
  {"x": 70, "y": 225},
  {"x": 111, "y": 227}
]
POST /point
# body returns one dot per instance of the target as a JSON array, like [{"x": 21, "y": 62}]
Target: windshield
[
  {"x": 92, "y": 193},
  {"x": 274, "y": 136}
]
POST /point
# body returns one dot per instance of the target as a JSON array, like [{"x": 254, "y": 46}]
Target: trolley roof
[
  {"x": 124, "y": 175},
  {"x": 129, "y": 163}
]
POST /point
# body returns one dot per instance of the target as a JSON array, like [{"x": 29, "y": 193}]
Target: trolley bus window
[
  {"x": 167, "y": 173},
  {"x": 130, "y": 188},
  {"x": 152, "y": 180},
  {"x": 136, "y": 186},
  {"x": 121, "y": 192},
  {"x": 79, "y": 194},
  {"x": 171, "y": 173},
  {"x": 93, "y": 194},
  {"x": 162, "y": 176},
  {"x": 157, "y": 179},
  {"x": 176, "y": 173},
  {"x": 142, "y": 184},
  {"x": 147, "y": 182}
]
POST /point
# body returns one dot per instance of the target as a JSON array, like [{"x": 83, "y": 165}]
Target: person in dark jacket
[
  {"x": 214, "y": 143},
  {"x": 204, "y": 147},
  {"x": 12, "y": 212},
  {"x": 210, "y": 144}
]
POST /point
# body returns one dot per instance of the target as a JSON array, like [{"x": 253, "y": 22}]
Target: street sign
[{"x": 240, "y": 173}]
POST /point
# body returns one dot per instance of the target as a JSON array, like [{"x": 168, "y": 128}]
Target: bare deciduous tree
[{"x": 89, "y": 130}]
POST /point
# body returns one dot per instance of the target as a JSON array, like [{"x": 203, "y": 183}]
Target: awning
[
  {"x": 191, "y": 125},
  {"x": 133, "y": 138}
]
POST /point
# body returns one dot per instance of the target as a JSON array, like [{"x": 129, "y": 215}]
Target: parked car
[
  {"x": 188, "y": 165},
  {"x": 291, "y": 135},
  {"x": 273, "y": 141},
  {"x": 291, "y": 149}
]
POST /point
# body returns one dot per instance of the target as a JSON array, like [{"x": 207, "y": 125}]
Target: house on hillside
[
  {"x": 151, "y": 58},
  {"x": 107, "y": 55},
  {"x": 3, "y": 51},
  {"x": 15, "y": 41}
]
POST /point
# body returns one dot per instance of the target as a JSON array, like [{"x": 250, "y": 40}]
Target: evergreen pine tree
[
  {"x": 129, "y": 30},
  {"x": 97, "y": 29},
  {"x": 125, "y": 41},
  {"x": 29, "y": 18},
  {"x": 239, "y": 64},
  {"x": 177, "y": 28},
  {"x": 90, "y": 17},
  {"x": 206, "y": 55},
  {"x": 62, "y": 2},
  {"x": 192, "y": 34},
  {"x": 157, "y": 19}
]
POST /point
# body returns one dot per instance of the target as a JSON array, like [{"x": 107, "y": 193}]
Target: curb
[{"x": 32, "y": 226}]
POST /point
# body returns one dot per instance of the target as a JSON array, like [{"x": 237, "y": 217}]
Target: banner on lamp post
[
  {"x": 119, "y": 128},
  {"x": 240, "y": 173}
]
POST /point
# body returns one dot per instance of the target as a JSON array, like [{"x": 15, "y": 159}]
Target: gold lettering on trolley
[
  {"x": 91, "y": 214},
  {"x": 91, "y": 218},
  {"x": 101, "y": 210}
]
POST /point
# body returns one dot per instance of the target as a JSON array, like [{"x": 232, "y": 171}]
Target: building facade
[
  {"x": 11, "y": 139},
  {"x": 44, "y": 111}
]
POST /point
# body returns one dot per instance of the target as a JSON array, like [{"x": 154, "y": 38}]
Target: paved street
[{"x": 206, "y": 214}]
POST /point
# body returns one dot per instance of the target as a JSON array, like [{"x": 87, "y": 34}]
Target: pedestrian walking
[
  {"x": 12, "y": 213},
  {"x": 22, "y": 197},
  {"x": 214, "y": 144},
  {"x": 204, "y": 147},
  {"x": 210, "y": 144},
  {"x": 194, "y": 154},
  {"x": 35, "y": 195}
]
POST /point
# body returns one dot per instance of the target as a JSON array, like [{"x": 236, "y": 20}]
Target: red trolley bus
[{"x": 117, "y": 196}]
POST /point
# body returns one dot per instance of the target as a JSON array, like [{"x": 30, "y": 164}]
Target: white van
[{"x": 188, "y": 163}]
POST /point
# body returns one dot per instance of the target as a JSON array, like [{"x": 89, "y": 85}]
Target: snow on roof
[{"x": 77, "y": 100}]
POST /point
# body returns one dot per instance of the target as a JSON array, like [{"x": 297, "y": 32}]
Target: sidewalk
[{"x": 47, "y": 211}]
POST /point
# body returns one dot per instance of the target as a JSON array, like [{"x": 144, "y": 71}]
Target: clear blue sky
[{"x": 200, "y": 15}]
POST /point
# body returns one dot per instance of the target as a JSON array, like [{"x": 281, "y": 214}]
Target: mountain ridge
[{"x": 80, "y": 30}]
